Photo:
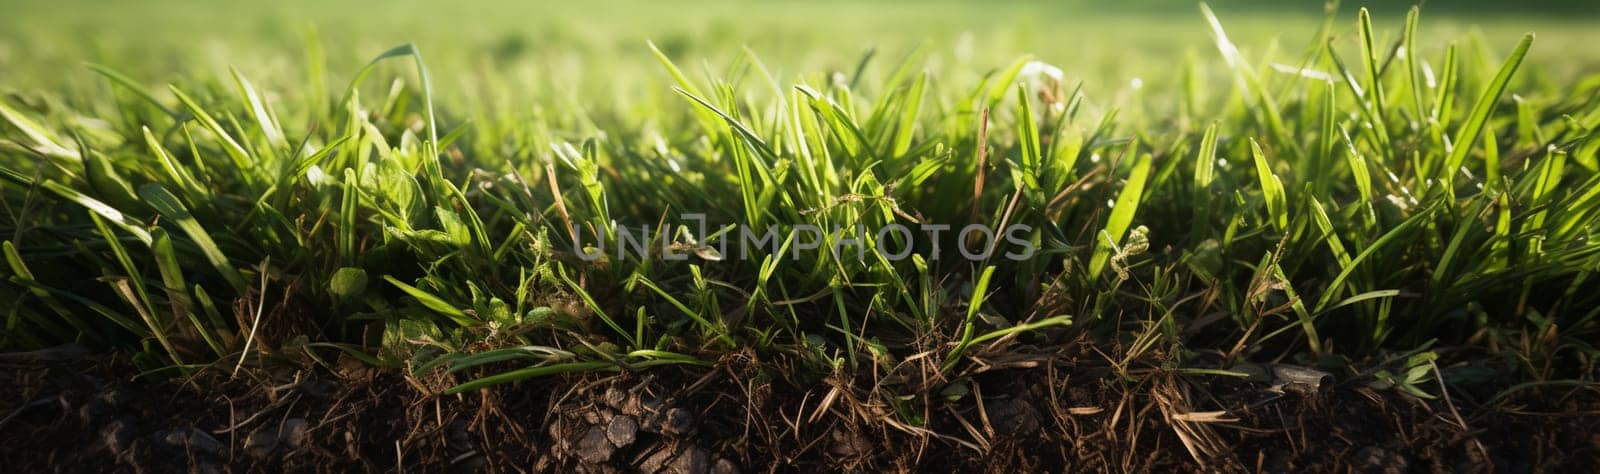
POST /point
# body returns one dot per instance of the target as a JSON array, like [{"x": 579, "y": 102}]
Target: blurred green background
[{"x": 594, "y": 53}]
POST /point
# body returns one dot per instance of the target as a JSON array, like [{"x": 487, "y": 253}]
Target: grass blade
[
  {"x": 1122, "y": 212},
  {"x": 1469, "y": 131}
]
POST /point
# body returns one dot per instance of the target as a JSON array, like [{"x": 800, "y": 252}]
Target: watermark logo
[{"x": 894, "y": 241}]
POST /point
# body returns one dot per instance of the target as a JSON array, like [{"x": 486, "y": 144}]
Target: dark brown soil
[{"x": 77, "y": 412}]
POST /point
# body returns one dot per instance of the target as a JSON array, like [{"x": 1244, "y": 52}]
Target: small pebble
[
  {"x": 261, "y": 442},
  {"x": 117, "y": 436},
  {"x": 457, "y": 436},
  {"x": 1012, "y": 417},
  {"x": 1378, "y": 459},
  {"x": 616, "y": 398},
  {"x": 622, "y": 430},
  {"x": 194, "y": 440},
  {"x": 677, "y": 422},
  {"x": 294, "y": 431},
  {"x": 594, "y": 447},
  {"x": 724, "y": 466},
  {"x": 319, "y": 388},
  {"x": 114, "y": 397}
]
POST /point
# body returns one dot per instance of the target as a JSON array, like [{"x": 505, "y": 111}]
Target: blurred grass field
[{"x": 597, "y": 53}]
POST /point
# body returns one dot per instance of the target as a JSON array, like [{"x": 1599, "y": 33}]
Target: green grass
[{"x": 1328, "y": 199}]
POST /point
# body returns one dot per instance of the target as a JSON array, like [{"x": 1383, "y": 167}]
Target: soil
[{"x": 75, "y": 411}]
